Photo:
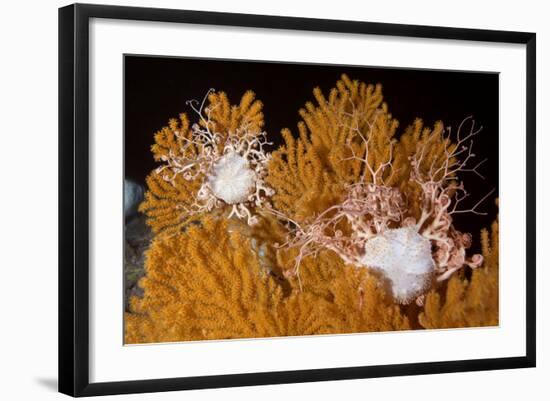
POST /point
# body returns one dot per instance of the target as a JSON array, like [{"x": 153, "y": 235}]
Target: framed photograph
[{"x": 250, "y": 199}]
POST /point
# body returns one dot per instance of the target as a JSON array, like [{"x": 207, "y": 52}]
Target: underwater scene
[{"x": 268, "y": 199}]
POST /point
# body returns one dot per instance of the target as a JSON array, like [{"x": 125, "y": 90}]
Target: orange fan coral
[
  {"x": 208, "y": 283},
  {"x": 216, "y": 164},
  {"x": 355, "y": 300},
  {"x": 311, "y": 172},
  {"x": 204, "y": 284}
]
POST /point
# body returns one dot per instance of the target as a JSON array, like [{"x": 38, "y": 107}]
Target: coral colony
[{"x": 355, "y": 223}]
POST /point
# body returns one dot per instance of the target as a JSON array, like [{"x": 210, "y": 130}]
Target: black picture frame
[{"x": 74, "y": 198}]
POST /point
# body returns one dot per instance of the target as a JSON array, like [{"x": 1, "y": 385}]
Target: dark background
[{"x": 156, "y": 89}]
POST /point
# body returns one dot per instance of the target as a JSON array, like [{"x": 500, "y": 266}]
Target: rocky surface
[
  {"x": 137, "y": 237},
  {"x": 133, "y": 196}
]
